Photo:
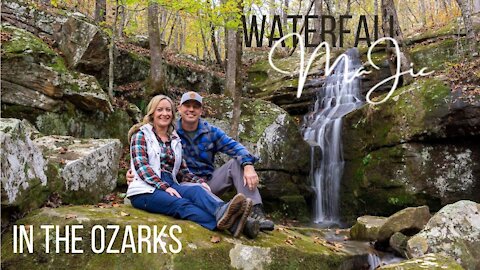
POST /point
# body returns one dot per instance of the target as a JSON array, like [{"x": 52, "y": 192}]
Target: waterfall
[{"x": 322, "y": 130}]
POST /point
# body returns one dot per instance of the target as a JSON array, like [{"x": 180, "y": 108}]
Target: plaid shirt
[
  {"x": 138, "y": 149},
  {"x": 209, "y": 140}
]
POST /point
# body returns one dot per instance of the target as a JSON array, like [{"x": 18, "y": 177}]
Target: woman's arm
[{"x": 138, "y": 152}]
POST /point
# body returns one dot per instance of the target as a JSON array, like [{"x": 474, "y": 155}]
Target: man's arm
[{"x": 229, "y": 146}]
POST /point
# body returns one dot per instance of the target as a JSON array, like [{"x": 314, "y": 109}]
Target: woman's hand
[
  {"x": 206, "y": 186},
  {"x": 129, "y": 176},
  {"x": 173, "y": 192}
]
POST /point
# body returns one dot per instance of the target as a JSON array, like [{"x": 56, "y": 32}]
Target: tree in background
[
  {"x": 467, "y": 8},
  {"x": 233, "y": 82},
  {"x": 389, "y": 13},
  {"x": 157, "y": 81},
  {"x": 100, "y": 10}
]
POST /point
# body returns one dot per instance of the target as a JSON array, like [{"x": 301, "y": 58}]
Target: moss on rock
[{"x": 197, "y": 249}]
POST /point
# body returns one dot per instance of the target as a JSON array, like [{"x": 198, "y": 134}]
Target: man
[{"x": 201, "y": 141}]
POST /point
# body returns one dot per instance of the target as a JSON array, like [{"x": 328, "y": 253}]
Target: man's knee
[{"x": 235, "y": 166}]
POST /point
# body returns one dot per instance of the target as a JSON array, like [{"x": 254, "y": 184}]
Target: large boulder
[
  {"x": 23, "y": 177},
  {"x": 82, "y": 43},
  {"x": 430, "y": 261},
  {"x": 367, "y": 228},
  {"x": 411, "y": 220},
  {"x": 22, "y": 14},
  {"x": 85, "y": 169},
  {"x": 37, "y": 86},
  {"x": 284, "y": 248},
  {"x": 36, "y": 167},
  {"x": 454, "y": 231},
  {"x": 271, "y": 134},
  {"x": 29, "y": 65}
]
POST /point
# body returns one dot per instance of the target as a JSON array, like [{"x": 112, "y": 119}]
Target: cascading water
[{"x": 322, "y": 130}]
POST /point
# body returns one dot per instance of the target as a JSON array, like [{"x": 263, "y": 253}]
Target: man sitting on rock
[{"x": 201, "y": 141}]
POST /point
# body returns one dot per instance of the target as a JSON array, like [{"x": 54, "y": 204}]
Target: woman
[{"x": 163, "y": 183}]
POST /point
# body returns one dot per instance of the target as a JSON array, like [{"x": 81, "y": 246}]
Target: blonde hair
[{"x": 148, "y": 118}]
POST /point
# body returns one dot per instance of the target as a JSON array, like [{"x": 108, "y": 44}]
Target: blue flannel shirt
[{"x": 199, "y": 153}]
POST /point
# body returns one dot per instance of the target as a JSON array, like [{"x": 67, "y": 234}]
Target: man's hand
[
  {"x": 129, "y": 176},
  {"x": 250, "y": 177},
  {"x": 206, "y": 186},
  {"x": 173, "y": 192}
]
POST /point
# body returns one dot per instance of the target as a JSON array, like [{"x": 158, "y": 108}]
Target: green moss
[
  {"x": 413, "y": 111},
  {"x": 24, "y": 44},
  {"x": 198, "y": 252}
]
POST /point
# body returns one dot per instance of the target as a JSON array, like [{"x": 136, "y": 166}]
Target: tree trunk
[
  {"x": 317, "y": 9},
  {"x": 375, "y": 7},
  {"x": 123, "y": 18},
  {"x": 467, "y": 8},
  {"x": 157, "y": 77},
  {"x": 234, "y": 73},
  {"x": 216, "y": 51},
  {"x": 284, "y": 16},
  {"x": 110, "y": 54},
  {"x": 100, "y": 10},
  {"x": 206, "y": 51},
  {"x": 421, "y": 6},
  {"x": 389, "y": 12}
]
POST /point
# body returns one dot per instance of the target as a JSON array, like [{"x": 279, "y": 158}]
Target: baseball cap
[{"x": 191, "y": 96}]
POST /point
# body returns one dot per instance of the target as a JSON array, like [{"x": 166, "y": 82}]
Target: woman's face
[{"x": 162, "y": 116}]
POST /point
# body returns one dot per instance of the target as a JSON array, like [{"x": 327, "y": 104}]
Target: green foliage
[{"x": 366, "y": 159}]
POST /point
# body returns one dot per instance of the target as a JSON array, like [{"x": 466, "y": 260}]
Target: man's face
[{"x": 190, "y": 111}]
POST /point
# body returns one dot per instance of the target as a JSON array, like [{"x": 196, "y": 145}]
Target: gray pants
[{"x": 231, "y": 174}]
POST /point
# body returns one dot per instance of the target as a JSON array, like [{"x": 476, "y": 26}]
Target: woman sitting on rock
[{"x": 163, "y": 183}]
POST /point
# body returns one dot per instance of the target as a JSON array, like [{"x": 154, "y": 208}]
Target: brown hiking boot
[
  {"x": 238, "y": 227},
  {"x": 229, "y": 213}
]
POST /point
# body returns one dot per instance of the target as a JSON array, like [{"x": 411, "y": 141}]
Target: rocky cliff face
[{"x": 417, "y": 148}]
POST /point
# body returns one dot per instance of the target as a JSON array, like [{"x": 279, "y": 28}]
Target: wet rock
[
  {"x": 454, "y": 231},
  {"x": 82, "y": 43},
  {"x": 367, "y": 228},
  {"x": 23, "y": 167},
  {"x": 86, "y": 168},
  {"x": 408, "y": 220},
  {"x": 398, "y": 242},
  {"x": 429, "y": 261}
]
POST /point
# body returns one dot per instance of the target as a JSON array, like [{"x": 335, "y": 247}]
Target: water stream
[{"x": 322, "y": 130}]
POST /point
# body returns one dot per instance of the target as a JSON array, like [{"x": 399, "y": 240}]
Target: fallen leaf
[
  {"x": 215, "y": 239},
  {"x": 337, "y": 232},
  {"x": 123, "y": 214},
  {"x": 69, "y": 216},
  {"x": 289, "y": 241},
  {"x": 63, "y": 150}
]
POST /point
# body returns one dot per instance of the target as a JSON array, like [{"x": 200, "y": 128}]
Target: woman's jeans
[{"x": 196, "y": 204}]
